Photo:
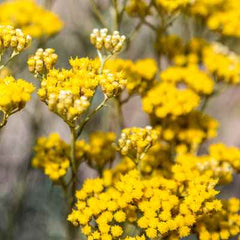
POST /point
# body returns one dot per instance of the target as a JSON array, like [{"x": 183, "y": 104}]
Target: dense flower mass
[
  {"x": 30, "y": 17},
  {"x": 42, "y": 61},
  {"x": 165, "y": 99},
  {"x": 100, "y": 150},
  {"x": 135, "y": 142},
  {"x": 13, "y": 38},
  {"x": 14, "y": 94},
  {"x": 140, "y": 75},
  {"x": 222, "y": 63},
  {"x": 68, "y": 92},
  {"x": 158, "y": 206},
  {"x": 112, "y": 83},
  {"x": 52, "y": 155},
  {"x": 190, "y": 76},
  {"x": 103, "y": 41}
]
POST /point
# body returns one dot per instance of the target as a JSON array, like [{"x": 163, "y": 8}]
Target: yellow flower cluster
[
  {"x": 224, "y": 224},
  {"x": 13, "y": 38},
  {"x": 188, "y": 131},
  {"x": 220, "y": 15},
  {"x": 52, "y": 155},
  {"x": 112, "y": 83},
  {"x": 42, "y": 61},
  {"x": 165, "y": 99},
  {"x": 140, "y": 75},
  {"x": 110, "y": 43},
  {"x": 223, "y": 153},
  {"x": 68, "y": 92},
  {"x": 100, "y": 150},
  {"x": 205, "y": 7},
  {"x": 135, "y": 142},
  {"x": 222, "y": 63},
  {"x": 137, "y": 8},
  {"x": 30, "y": 17},
  {"x": 13, "y": 95},
  {"x": 190, "y": 76},
  {"x": 226, "y": 18},
  {"x": 220, "y": 170},
  {"x": 169, "y": 45},
  {"x": 157, "y": 207},
  {"x": 156, "y": 162},
  {"x": 171, "y": 6}
]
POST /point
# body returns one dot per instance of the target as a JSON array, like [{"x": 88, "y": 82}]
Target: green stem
[
  {"x": 90, "y": 115},
  {"x": 115, "y": 4},
  {"x": 98, "y": 13},
  {"x": 73, "y": 163},
  {"x": 14, "y": 54}
]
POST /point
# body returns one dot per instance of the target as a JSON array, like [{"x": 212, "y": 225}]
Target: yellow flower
[
  {"x": 52, "y": 155},
  {"x": 30, "y": 17},
  {"x": 14, "y": 94}
]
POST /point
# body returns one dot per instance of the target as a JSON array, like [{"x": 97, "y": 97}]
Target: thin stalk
[
  {"x": 116, "y": 21},
  {"x": 98, "y": 13},
  {"x": 14, "y": 54},
  {"x": 73, "y": 163},
  {"x": 90, "y": 115}
]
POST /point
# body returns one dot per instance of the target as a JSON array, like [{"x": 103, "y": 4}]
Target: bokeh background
[{"x": 30, "y": 206}]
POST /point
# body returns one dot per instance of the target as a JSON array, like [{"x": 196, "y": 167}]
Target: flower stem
[{"x": 73, "y": 163}]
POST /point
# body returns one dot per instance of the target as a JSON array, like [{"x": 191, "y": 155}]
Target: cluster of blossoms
[
  {"x": 13, "y": 95},
  {"x": 135, "y": 142},
  {"x": 30, "y": 17},
  {"x": 100, "y": 150},
  {"x": 158, "y": 207},
  {"x": 165, "y": 99},
  {"x": 13, "y": 38},
  {"x": 68, "y": 92},
  {"x": 221, "y": 225},
  {"x": 163, "y": 187},
  {"x": 220, "y": 15},
  {"x": 111, "y": 43},
  {"x": 112, "y": 83},
  {"x": 42, "y": 61},
  {"x": 222, "y": 63},
  {"x": 140, "y": 74},
  {"x": 187, "y": 76},
  {"x": 52, "y": 155}
]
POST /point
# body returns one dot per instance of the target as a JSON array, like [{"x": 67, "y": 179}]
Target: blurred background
[{"x": 30, "y": 207}]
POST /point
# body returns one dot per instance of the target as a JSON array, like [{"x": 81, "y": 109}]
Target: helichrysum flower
[
  {"x": 42, "y": 61},
  {"x": 158, "y": 206},
  {"x": 52, "y": 155},
  {"x": 220, "y": 15},
  {"x": 30, "y": 17},
  {"x": 224, "y": 224},
  {"x": 140, "y": 75},
  {"x": 14, "y": 94},
  {"x": 190, "y": 76},
  {"x": 222, "y": 63},
  {"x": 135, "y": 142},
  {"x": 190, "y": 129},
  {"x": 112, "y": 84},
  {"x": 108, "y": 43},
  {"x": 165, "y": 99},
  {"x": 100, "y": 150},
  {"x": 171, "y": 6},
  {"x": 227, "y": 154},
  {"x": 68, "y": 92},
  {"x": 14, "y": 39},
  {"x": 137, "y": 8}
]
